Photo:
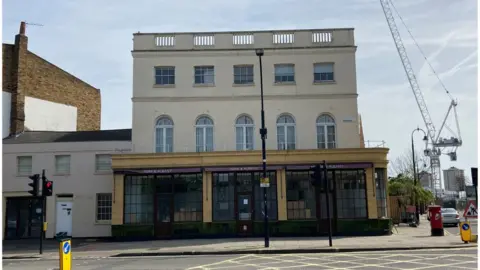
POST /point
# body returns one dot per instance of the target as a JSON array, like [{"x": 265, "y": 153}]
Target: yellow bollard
[
  {"x": 65, "y": 255},
  {"x": 465, "y": 232}
]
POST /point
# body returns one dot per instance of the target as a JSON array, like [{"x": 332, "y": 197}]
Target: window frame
[
  {"x": 22, "y": 172},
  {"x": 325, "y": 126},
  {"x": 97, "y": 159},
  {"x": 164, "y": 128},
  {"x": 108, "y": 208},
  {"x": 244, "y": 128},
  {"x": 381, "y": 192},
  {"x": 300, "y": 179},
  {"x": 134, "y": 195},
  {"x": 57, "y": 171},
  {"x": 350, "y": 199},
  {"x": 204, "y": 128},
  {"x": 245, "y": 76},
  {"x": 202, "y": 75},
  {"x": 285, "y": 134},
  {"x": 190, "y": 199},
  {"x": 276, "y": 74},
  {"x": 315, "y": 80},
  {"x": 163, "y": 77}
]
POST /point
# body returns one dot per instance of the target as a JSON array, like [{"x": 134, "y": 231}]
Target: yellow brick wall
[
  {"x": 207, "y": 197},
  {"x": 117, "y": 203},
  {"x": 371, "y": 196},
  {"x": 281, "y": 195}
]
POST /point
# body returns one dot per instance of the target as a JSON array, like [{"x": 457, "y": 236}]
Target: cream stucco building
[{"x": 195, "y": 164}]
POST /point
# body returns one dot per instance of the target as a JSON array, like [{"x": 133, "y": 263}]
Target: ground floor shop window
[
  {"x": 232, "y": 191},
  {"x": 139, "y": 199},
  {"x": 188, "y": 201},
  {"x": 381, "y": 192},
  {"x": 301, "y": 202},
  {"x": 223, "y": 193},
  {"x": 22, "y": 219},
  {"x": 272, "y": 209},
  {"x": 351, "y": 194}
]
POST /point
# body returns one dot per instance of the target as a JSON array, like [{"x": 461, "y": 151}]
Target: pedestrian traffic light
[
  {"x": 475, "y": 176},
  {"x": 34, "y": 184},
  {"x": 47, "y": 188},
  {"x": 317, "y": 176}
]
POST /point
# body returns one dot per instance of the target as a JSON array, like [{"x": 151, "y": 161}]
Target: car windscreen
[{"x": 449, "y": 210}]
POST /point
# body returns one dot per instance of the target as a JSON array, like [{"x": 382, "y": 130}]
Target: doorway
[
  {"x": 245, "y": 214},
  {"x": 321, "y": 200},
  {"x": 163, "y": 214}
]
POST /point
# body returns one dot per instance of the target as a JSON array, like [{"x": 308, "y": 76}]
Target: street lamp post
[
  {"x": 263, "y": 134},
  {"x": 415, "y": 176}
]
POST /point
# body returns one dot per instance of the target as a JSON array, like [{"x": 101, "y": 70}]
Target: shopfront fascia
[{"x": 218, "y": 193}]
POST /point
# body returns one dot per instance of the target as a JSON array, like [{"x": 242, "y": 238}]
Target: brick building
[{"x": 37, "y": 95}]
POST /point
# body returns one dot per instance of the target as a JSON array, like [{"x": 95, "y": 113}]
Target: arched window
[
  {"x": 326, "y": 132},
  {"x": 204, "y": 134},
  {"x": 286, "y": 132},
  {"x": 244, "y": 133},
  {"x": 164, "y": 135}
]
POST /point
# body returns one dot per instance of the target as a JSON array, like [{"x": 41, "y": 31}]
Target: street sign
[
  {"x": 264, "y": 182},
  {"x": 470, "y": 210},
  {"x": 65, "y": 255},
  {"x": 465, "y": 232}
]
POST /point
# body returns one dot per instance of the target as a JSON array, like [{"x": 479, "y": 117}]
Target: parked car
[{"x": 450, "y": 216}]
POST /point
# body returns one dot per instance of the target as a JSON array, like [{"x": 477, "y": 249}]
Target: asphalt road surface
[
  {"x": 448, "y": 259},
  {"x": 456, "y": 230}
]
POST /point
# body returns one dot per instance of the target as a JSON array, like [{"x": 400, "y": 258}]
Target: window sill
[
  {"x": 203, "y": 85},
  {"x": 243, "y": 85},
  {"x": 324, "y": 82},
  {"x": 164, "y": 86},
  {"x": 103, "y": 172},
  {"x": 284, "y": 83},
  {"x": 23, "y": 175},
  {"x": 61, "y": 174},
  {"x": 103, "y": 222}
]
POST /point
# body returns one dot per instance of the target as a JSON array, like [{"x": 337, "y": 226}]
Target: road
[
  {"x": 456, "y": 230},
  {"x": 450, "y": 259}
]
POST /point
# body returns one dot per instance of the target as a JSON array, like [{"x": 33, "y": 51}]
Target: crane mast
[{"x": 436, "y": 142}]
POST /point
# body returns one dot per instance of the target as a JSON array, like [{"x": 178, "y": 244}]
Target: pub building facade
[{"x": 218, "y": 194}]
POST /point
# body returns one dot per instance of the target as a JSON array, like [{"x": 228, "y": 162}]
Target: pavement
[
  {"x": 403, "y": 238},
  {"x": 451, "y": 259}
]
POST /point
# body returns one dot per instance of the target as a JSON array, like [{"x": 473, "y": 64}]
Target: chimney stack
[{"x": 22, "y": 28}]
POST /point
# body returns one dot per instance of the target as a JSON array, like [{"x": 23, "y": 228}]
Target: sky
[{"x": 93, "y": 40}]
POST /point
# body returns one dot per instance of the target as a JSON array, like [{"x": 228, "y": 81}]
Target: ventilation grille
[
  {"x": 322, "y": 37},
  {"x": 165, "y": 41},
  {"x": 204, "y": 40},
  {"x": 242, "y": 39},
  {"x": 283, "y": 38}
]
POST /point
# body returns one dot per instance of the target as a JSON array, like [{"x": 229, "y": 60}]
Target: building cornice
[{"x": 243, "y": 97}]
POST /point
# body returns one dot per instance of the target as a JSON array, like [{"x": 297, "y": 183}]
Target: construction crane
[{"x": 436, "y": 145}]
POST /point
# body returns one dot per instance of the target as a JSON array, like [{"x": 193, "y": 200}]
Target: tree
[
  {"x": 404, "y": 164},
  {"x": 403, "y": 186}
]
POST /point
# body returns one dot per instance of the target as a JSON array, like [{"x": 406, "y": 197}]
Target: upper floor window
[
  {"x": 62, "y": 164},
  {"x": 243, "y": 74},
  {"x": 204, "y": 134},
  {"x": 244, "y": 133},
  {"x": 24, "y": 165},
  {"x": 323, "y": 72},
  {"x": 325, "y": 132},
  {"x": 284, "y": 73},
  {"x": 164, "y": 135},
  {"x": 164, "y": 75},
  {"x": 103, "y": 163},
  {"x": 286, "y": 132},
  {"x": 205, "y": 75}
]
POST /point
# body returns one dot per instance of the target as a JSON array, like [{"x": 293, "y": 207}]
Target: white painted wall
[
  {"x": 83, "y": 182},
  {"x": 6, "y": 110},
  {"x": 45, "y": 115},
  {"x": 224, "y": 102}
]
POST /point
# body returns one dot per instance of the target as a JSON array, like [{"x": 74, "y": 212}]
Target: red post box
[{"x": 436, "y": 221}]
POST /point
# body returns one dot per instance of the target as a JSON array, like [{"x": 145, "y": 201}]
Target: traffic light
[
  {"x": 317, "y": 176},
  {"x": 47, "y": 188},
  {"x": 475, "y": 176},
  {"x": 34, "y": 184}
]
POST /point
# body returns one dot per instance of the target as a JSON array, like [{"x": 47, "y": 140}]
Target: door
[
  {"x": 64, "y": 220},
  {"x": 322, "y": 214},
  {"x": 245, "y": 214},
  {"x": 163, "y": 215}
]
